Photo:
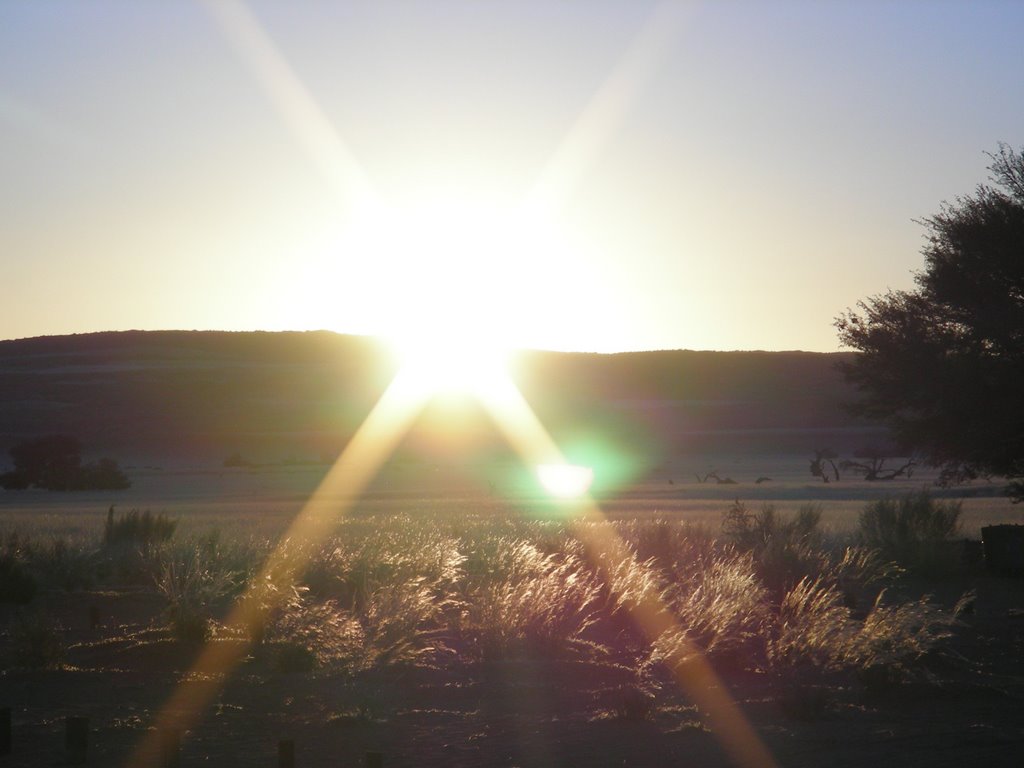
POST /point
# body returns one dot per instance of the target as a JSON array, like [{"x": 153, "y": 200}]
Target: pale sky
[{"x": 598, "y": 176}]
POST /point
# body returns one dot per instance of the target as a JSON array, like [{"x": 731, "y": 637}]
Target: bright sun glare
[
  {"x": 453, "y": 281},
  {"x": 457, "y": 273},
  {"x": 439, "y": 363},
  {"x": 566, "y": 481}
]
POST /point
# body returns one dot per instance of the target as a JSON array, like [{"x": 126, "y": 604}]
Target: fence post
[
  {"x": 374, "y": 760},
  {"x": 5, "y": 731},
  {"x": 286, "y": 753},
  {"x": 76, "y": 738},
  {"x": 170, "y": 748}
]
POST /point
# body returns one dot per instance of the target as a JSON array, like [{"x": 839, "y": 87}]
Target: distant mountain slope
[{"x": 276, "y": 395}]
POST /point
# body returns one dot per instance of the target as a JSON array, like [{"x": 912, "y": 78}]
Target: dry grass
[
  {"x": 772, "y": 592},
  {"x": 526, "y": 600}
]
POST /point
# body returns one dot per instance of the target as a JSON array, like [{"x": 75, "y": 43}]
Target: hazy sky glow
[{"x": 569, "y": 175}]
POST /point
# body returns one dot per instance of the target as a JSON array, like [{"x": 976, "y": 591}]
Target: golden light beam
[
  {"x": 302, "y": 114},
  {"x": 374, "y": 441},
  {"x": 606, "y": 110},
  {"x": 609, "y": 553}
]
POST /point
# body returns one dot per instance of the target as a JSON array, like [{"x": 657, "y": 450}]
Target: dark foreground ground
[{"x": 524, "y": 712}]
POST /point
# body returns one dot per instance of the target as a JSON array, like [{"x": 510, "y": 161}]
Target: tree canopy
[
  {"x": 943, "y": 365},
  {"x": 54, "y": 462}
]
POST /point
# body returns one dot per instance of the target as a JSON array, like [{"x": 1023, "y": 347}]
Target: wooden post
[
  {"x": 286, "y": 753},
  {"x": 76, "y": 738},
  {"x": 374, "y": 760},
  {"x": 5, "y": 731},
  {"x": 170, "y": 748}
]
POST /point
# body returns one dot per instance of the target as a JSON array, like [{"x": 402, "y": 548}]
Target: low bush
[
  {"x": 58, "y": 564},
  {"x": 16, "y": 584},
  {"x": 785, "y": 549},
  {"x": 769, "y": 594},
  {"x": 913, "y": 530},
  {"x": 529, "y": 600},
  {"x": 103, "y": 475},
  {"x": 888, "y": 646},
  {"x": 141, "y": 529},
  {"x": 724, "y": 608},
  {"x": 371, "y": 605},
  {"x": 194, "y": 588},
  {"x": 14, "y": 481},
  {"x": 897, "y": 637},
  {"x": 28, "y": 564},
  {"x": 402, "y": 623},
  {"x": 813, "y": 627},
  {"x": 302, "y": 635}
]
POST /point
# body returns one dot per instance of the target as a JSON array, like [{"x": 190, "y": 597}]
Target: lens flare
[{"x": 566, "y": 481}]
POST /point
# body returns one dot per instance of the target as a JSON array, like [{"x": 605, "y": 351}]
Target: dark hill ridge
[{"x": 274, "y": 395}]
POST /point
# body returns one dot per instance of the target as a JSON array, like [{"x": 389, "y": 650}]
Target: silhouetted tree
[
  {"x": 871, "y": 463},
  {"x": 54, "y": 463},
  {"x": 104, "y": 475},
  {"x": 818, "y": 468},
  {"x": 51, "y": 462},
  {"x": 943, "y": 365}
]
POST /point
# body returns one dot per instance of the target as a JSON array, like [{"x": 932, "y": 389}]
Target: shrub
[
  {"x": 54, "y": 462},
  {"x": 60, "y": 565},
  {"x": 193, "y": 588},
  {"x": 350, "y": 570},
  {"x": 103, "y": 475},
  {"x": 631, "y": 702},
  {"x": 913, "y": 530},
  {"x": 629, "y": 583},
  {"x": 529, "y": 600},
  {"x": 16, "y": 583},
  {"x": 751, "y": 530},
  {"x": 371, "y": 604},
  {"x": 721, "y": 610},
  {"x": 785, "y": 550},
  {"x": 14, "y": 481},
  {"x": 744, "y": 528},
  {"x": 893, "y": 641},
  {"x": 237, "y": 460},
  {"x": 401, "y": 623},
  {"x": 813, "y": 627},
  {"x": 671, "y": 544},
  {"x": 26, "y": 564},
  {"x": 302, "y": 634},
  {"x": 140, "y": 529}
]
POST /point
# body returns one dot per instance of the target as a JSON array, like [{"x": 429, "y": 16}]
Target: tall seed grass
[
  {"x": 528, "y": 600},
  {"x": 195, "y": 587},
  {"x": 771, "y": 592},
  {"x": 724, "y": 608}
]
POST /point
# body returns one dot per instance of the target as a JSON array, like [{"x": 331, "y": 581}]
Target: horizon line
[{"x": 381, "y": 339}]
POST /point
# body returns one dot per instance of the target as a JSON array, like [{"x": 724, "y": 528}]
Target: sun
[
  {"x": 455, "y": 270},
  {"x": 448, "y": 277},
  {"x": 435, "y": 362}
]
